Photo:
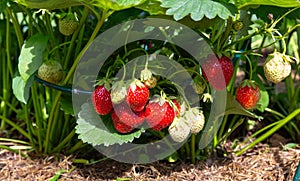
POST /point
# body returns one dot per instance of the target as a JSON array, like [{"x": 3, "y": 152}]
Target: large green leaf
[
  {"x": 117, "y": 4},
  {"x": 283, "y": 3},
  {"x": 49, "y": 4},
  {"x": 92, "y": 130},
  {"x": 21, "y": 88},
  {"x": 31, "y": 56},
  {"x": 198, "y": 9}
]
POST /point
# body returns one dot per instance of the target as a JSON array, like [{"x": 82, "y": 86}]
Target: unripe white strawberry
[
  {"x": 277, "y": 67},
  {"x": 118, "y": 92},
  {"x": 179, "y": 130},
  {"x": 51, "y": 71},
  {"x": 194, "y": 119},
  {"x": 147, "y": 78}
]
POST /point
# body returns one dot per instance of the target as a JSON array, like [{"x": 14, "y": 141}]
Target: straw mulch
[{"x": 260, "y": 163}]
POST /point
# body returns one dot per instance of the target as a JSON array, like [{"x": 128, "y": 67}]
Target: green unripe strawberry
[
  {"x": 277, "y": 67},
  {"x": 51, "y": 71},
  {"x": 68, "y": 24},
  {"x": 199, "y": 85},
  {"x": 237, "y": 25}
]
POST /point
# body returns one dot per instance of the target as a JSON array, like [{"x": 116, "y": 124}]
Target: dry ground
[{"x": 260, "y": 163}]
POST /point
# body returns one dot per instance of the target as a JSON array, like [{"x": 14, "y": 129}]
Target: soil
[{"x": 260, "y": 163}]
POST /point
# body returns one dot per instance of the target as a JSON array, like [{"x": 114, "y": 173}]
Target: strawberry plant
[{"x": 169, "y": 81}]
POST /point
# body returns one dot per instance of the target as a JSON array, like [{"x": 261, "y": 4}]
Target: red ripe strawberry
[
  {"x": 119, "y": 125},
  {"x": 137, "y": 95},
  {"x": 125, "y": 120},
  {"x": 248, "y": 94},
  {"x": 101, "y": 100},
  {"x": 159, "y": 114},
  {"x": 218, "y": 72}
]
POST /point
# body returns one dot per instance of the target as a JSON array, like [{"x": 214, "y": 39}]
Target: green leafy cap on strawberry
[
  {"x": 248, "y": 83},
  {"x": 105, "y": 82},
  {"x": 146, "y": 74}
]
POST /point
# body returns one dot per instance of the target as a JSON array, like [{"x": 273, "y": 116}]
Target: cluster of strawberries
[{"x": 131, "y": 107}]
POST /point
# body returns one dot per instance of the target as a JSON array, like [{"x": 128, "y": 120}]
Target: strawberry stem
[
  {"x": 193, "y": 154},
  {"x": 124, "y": 73},
  {"x": 250, "y": 67},
  {"x": 134, "y": 69}
]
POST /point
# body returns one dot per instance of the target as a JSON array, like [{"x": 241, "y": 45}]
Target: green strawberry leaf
[
  {"x": 117, "y": 4},
  {"x": 3, "y": 5},
  {"x": 199, "y": 9},
  {"x": 21, "y": 88},
  {"x": 31, "y": 56},
  {"x": 95, "y": 132},
  {"x": 233, "y": 107},
  {"x": 153, "y": 7},
  {"x": 49, "y": 4},
  {"x": 285, "y": 3}
]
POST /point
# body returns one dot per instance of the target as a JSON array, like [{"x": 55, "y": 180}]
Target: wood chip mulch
[{"x": 260, "y": 163}]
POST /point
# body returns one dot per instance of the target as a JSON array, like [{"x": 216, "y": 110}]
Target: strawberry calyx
[
  {"x": 146, "y": 74},
  {"x": 147, "y": 78},
  {"x": 248, "y": 83},
  {"x": 105, "y": 82},
  {"x": 136, "y": 83}
]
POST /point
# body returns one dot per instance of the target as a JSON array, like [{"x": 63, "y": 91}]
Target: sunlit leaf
[
  {"x": 153, "y": 7},
  {"x": 198, "y": 9},
  {"x": 49, "y": 4},
  {"x": 31, "y": 56},
  {"x": 117, "y": 4},
  {"x": 92, "y": 130},
  {"x": 21, "y": 88}
]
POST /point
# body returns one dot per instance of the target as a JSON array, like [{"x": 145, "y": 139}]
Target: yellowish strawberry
[
  {"x": 194, "y": 119},
  {"x": 277, "y": 67},
  {"x": 179, "y": 130}
]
